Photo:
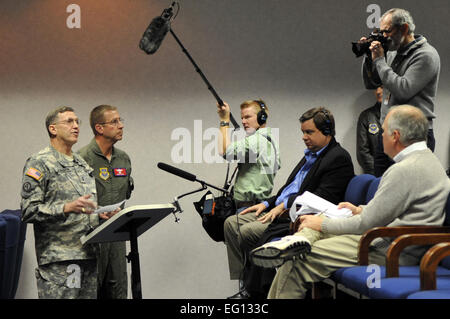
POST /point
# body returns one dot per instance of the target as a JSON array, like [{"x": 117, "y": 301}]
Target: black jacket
[
  {"x": 327, "y": 178},
  {"x": 367, "y": 132}
]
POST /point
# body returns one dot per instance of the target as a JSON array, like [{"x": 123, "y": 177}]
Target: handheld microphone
[
  {"x": 176, "y": 171},
  {"x": 156, "y": 31}
]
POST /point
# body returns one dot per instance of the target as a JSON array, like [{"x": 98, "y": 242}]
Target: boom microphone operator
[{"x": 156, "y": 31}]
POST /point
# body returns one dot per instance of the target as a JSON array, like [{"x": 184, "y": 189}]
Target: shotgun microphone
[{"x": 176, "y": 171}]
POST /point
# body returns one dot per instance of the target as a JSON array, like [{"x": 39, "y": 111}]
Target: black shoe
[{"x": 243, "y": 294}]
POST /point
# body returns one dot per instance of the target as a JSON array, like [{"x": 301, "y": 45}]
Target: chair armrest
[
  {"x": 429, "y": 263},
  {"x": 371, "y": 234},
  {"x": 395, "y": 249}
]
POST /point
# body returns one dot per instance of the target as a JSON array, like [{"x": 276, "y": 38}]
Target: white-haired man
[{"x": 413, "y": 191}]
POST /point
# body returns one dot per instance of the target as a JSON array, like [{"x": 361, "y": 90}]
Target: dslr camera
[{"x": 360, "y": 48}]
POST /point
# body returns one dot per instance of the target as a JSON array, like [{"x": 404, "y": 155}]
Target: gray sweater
[
  {"x": 413, "y": 80},
  {"x": 411, "y": 192}
]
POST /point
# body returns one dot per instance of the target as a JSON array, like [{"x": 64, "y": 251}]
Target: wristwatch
[{"x": 223, "y": 123}]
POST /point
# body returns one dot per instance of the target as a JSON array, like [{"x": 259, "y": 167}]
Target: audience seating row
[{"x": 429, "y": 280}]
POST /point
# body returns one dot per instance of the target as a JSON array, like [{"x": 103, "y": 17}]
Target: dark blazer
[{"x": 327, "y": 178}]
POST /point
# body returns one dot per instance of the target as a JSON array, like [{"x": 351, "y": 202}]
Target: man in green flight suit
[{"x": 112, "y": 172}]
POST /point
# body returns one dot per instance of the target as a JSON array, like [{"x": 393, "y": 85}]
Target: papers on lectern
[{"x": 109, "y": 208}]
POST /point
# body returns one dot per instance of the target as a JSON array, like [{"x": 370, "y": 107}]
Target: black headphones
[
  {"x": 327, "y": 126},
  {"x": 262, "y": 115}
]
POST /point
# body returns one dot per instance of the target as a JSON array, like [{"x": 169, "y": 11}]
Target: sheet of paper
[
  {"x": 313, "y": 204},
  {"x": 108, "y": 208}
]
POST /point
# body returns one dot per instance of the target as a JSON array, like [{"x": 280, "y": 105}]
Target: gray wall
[{"x": 294, "y": 54}]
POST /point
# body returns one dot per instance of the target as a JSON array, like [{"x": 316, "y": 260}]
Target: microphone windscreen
[
  {"x": 154, "y": 35},
  {"x": 177, "y": 171}
]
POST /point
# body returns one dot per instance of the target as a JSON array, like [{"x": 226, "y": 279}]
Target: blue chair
[
  {"x": 358, "y": 187},
  {"x": 442, "y": 251},
  {"x": 357, "y": 194},
  {"x": 3, "y": 266},
  {"x": 397, "y": 282},
  {"x": 20, "y": 248},
  {"x": 431, "y": 276},
  {"x": 366, "y": 195},
  {"x": 11, "y": 252},
  {"x": 372, "y": 189},
  {"x": 428, "y": 277}
]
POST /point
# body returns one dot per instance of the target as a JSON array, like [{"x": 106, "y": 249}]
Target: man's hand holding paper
[{"x": 313, "y": 204}]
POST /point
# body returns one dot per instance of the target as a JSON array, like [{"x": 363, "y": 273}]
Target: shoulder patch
[
  {"x": 27, "y": 187},
  {"x": 103, "y": 173},
  {"x": 373, "y": 128},
  {"x": 34, "y": 173}
]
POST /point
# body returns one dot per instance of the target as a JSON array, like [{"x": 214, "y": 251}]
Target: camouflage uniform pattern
[
  {"x": 57, "y": 180},
  {"x": 112, "y": 187},
  {"x": 74, "y": 279}
]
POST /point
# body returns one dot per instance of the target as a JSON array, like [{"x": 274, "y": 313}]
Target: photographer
[{"x": 409, "y": 73}]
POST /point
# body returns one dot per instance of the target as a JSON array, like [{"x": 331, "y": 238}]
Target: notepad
[{"x": 313, "y": 204}]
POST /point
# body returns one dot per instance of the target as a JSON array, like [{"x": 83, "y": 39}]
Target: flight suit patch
[
  {"x": 104, "y": 173},
  {"x": 120, "y": 172}
]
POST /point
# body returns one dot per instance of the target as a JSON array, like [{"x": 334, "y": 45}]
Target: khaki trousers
[
  {"x": 241, "y": 233},
  {"x": 328, "y": 254}
]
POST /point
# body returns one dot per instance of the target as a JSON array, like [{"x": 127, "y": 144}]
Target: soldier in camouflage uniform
[
  {"x": 112, "y": 172},
  {"x": 58, "y": 195}
]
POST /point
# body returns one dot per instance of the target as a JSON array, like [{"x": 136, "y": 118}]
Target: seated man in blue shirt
[{"x": 325, "y": 171}]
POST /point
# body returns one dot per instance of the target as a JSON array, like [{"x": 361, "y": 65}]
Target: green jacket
[
  {"x": 258, "y": 163},
  {"x": 112, "y": 178}
]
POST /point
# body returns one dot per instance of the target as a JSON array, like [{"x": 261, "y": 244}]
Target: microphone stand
[
  {"x": 204, "y": 186},
  {"x": 210, "y": 87}
]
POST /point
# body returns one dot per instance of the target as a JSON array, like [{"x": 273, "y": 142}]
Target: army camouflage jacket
[{"x": 50, "y": 180}]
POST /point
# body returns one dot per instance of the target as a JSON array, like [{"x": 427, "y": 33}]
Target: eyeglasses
[
  {"x": 69, "y": 122},
  {"x": 114, "y": 122}
]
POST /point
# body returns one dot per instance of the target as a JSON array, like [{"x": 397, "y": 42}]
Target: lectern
[{"x": 129, "y": 224}]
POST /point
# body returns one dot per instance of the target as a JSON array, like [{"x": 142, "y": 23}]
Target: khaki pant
[
  {"x": 241, "y": 233},
  {"x": 73, "y": 279},
  {"x": 327, "y": 255}
]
